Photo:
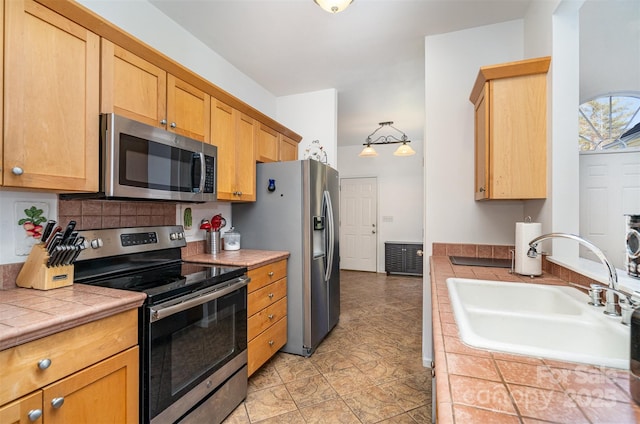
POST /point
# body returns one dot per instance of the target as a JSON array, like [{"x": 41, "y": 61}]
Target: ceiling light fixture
[
  {"x": 333, "y": 6},
  {"x": 403, "y": 150}
]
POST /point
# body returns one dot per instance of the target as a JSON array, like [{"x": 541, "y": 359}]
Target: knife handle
[
  {"x": 52, "y": 236},
  {"x": 68, "y": 231},
  {"x": 47, "y": 230}
]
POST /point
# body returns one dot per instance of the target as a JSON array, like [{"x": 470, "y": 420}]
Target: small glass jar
[{"x": 232, "y": 239}]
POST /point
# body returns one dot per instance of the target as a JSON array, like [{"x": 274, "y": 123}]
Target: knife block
[{"x": 35, "y": 273}]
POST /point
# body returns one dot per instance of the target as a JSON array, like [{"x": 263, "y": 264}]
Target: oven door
[
  {"x": 190, "y": 339},
  {"x": 141, "y": 161}
]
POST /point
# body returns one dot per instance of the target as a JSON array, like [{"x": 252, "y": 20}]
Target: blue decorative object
[{"x": 272, "y": 185}]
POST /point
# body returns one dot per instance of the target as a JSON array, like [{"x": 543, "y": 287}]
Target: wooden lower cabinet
[
  {"x": 267, "y": 313},
  {"x": 85, "y": 374}
]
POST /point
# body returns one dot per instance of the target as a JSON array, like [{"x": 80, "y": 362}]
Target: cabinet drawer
[
  {"x": 266, "y": 345},
  {"x": 267, "y": 274},
  {"x": 266, "y": 296},
  {"x": 69, "y": 351},
  {"x": 264, "y": 319}
]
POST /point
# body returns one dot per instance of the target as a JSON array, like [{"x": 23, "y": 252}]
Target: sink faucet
[{"x": 611, "y": 295}]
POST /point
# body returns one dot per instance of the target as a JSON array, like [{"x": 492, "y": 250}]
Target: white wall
[
  {"x": 451, "y": 65},
  {"x": 400, "y": 190},
  {"x": 314, "y": 116},
  {"x": 144, "y": 21}
]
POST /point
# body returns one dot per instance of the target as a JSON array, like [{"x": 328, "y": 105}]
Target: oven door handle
[{"x": 159, "y": 312}]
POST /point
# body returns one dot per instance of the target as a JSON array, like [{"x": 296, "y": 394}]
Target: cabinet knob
[
  {"x": 270, "y": 316},
  {"x": 271, "y": 342},
  {"x": 373, "y": 231},
  {"x": 16, "y": 170},
  {"x": 270, "y": 273},
  {"x": 163, "y": 122},
  {"x": 239, "y": 193},
  {"x": 270, "y": 295},
  {"x": 482, "y": 190},
  {"x": 34, "y": 414},
  {"x": 173, "y": 125},
  {"x": 57, "y": 402},
  {"x": 45, "y": 363}
]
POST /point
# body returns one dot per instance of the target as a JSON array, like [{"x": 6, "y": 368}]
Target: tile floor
[{"x": 368, "y": 370}]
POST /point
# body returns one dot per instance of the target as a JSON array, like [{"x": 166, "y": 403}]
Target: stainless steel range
[
  {"x": 193, "y": 324},
  {"x": 633, "y": 245}
]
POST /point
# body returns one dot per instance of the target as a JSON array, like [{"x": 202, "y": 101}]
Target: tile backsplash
[{"x": 92, "y": 214}]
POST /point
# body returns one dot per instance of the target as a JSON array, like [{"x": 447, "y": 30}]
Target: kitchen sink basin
[{"x": 544, "y": 321}]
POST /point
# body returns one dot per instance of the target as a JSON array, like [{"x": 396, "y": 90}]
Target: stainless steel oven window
[{"x": 186, "y": 347}]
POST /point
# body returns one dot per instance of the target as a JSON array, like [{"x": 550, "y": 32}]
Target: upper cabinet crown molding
[
  {"x": 108, "y": 31},
  {"x": 508, "y": 70}
]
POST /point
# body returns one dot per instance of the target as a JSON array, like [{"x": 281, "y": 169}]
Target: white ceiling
[{"x": 372, "y": 53}]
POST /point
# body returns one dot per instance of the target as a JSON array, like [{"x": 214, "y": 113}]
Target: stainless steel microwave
[{"x": 143, "y": 162}]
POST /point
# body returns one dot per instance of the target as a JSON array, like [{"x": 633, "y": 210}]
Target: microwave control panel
[{"x": 210, "y": 173}]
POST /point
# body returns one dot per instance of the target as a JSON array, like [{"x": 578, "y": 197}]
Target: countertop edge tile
[
  {"x": 42, "y": 323},
  {"x": 250, "y": 258}
]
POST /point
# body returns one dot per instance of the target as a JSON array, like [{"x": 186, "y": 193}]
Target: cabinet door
[
  {"x": 223, "y": 137},
  {"x": 482, "y": 145},
  {"x": 188, "y": 109},
  {"x": 266, "y": 144},
  {"x": 132, "y": 87},
  {"x": 288, "y": 149},
  {"x": 105, "y": 392},
  {"x": 245, "y": 158},
  {"x": 26, "y": 410},
  {"x": 518, "y": 132},
  {"x": 51, "y": 95}
]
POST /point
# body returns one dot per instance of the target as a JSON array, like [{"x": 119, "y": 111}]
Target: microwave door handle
[
  {"x": 203, "y": 170},
  {"x": 198, "y": 157}
]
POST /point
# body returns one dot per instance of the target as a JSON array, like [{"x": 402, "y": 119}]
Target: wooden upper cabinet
[
  {"x": 51, "y": 100},
  {"x": 267, "y": 142},
  {"x": 233, "y": 133},
  {"x": 288, "y": 149},
  {"x": 139, "y": 90},
  {"x": 510, "y": 103}
]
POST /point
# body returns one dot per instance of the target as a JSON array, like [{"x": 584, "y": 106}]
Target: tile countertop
[
  {"x": 478, "y": 386},
  {"x": 243, "y": 257},
  {"x": 29, "y": 314}
]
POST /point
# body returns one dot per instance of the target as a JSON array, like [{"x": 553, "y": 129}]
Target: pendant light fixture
[
  {"x": 403, "y": 150},
  {"x": 333, "y": 6}
]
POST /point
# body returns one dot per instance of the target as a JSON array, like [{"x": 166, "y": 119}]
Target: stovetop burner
[
  {"x": 170, "y": 281},
  {"x": 154, "y": 268}
]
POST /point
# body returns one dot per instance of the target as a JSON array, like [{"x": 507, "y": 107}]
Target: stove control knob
[
  {"x": 173, "y": 236},
  {"x": 97, "y": 243},
  {"x": 180, "y": 236}
]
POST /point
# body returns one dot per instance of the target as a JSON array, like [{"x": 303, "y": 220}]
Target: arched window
[{"x": 610, "y": 122}]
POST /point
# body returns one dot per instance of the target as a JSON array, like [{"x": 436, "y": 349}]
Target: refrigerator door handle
[{"x": 330, "y": 237}]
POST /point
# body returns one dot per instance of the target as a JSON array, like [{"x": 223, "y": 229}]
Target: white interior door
[{"x": 358, "y": 223}]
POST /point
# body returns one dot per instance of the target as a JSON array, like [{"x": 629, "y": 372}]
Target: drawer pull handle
[
  {"x": 270, "y": 316},
  {"x": 270, "y": 295},
  {"x": 270, "y": 274},
  {"x": 57, "y": 402},
  {"x": 271, "y": 342},
  {"x": 43, "y": 364},
  {"x": 34, "y": 414}
]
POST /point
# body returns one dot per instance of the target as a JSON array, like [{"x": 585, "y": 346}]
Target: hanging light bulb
[
  {"x": 368, "y": 151},
  {"x": 404, "y": 150},
  {"x": 333, "y": 6}
]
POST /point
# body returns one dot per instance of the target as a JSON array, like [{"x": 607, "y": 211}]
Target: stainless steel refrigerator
[{"x": 296, "y": 210}]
